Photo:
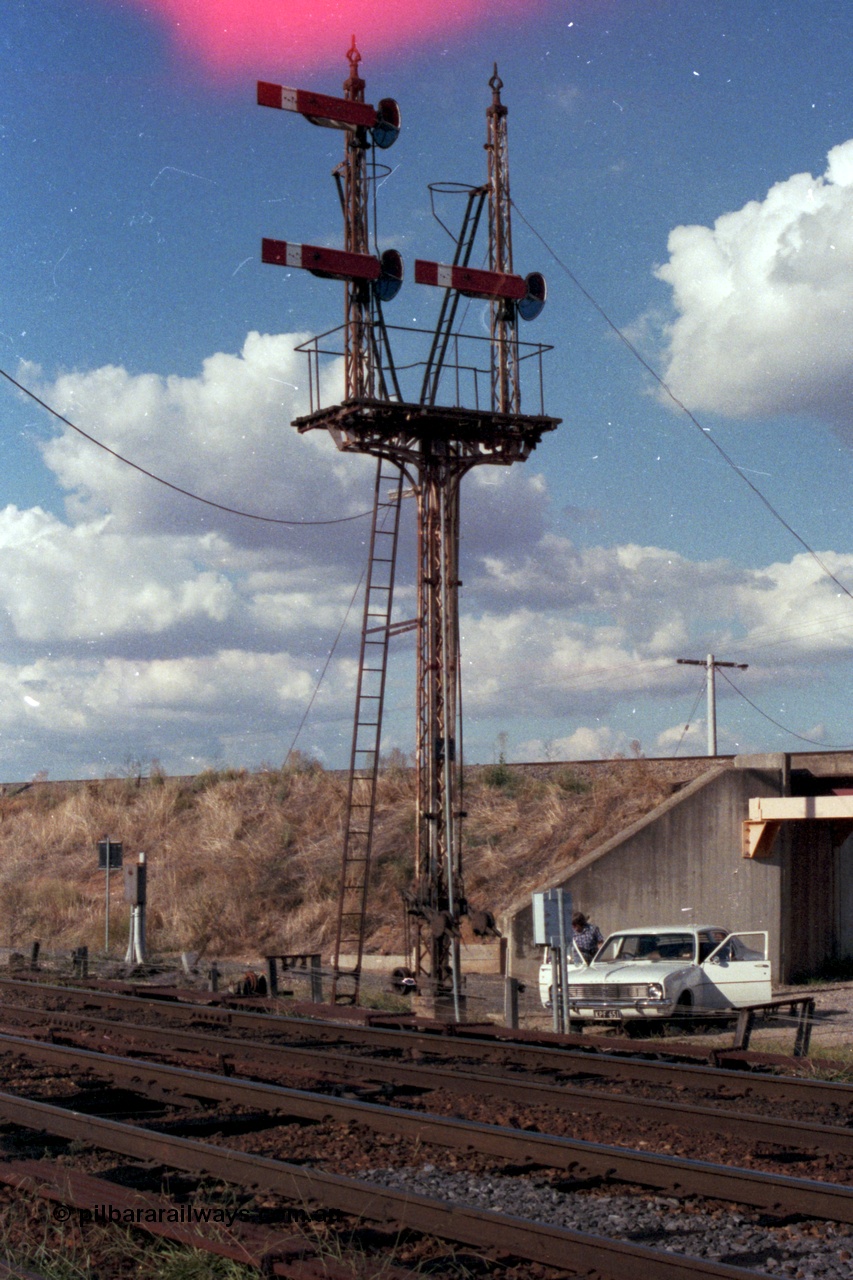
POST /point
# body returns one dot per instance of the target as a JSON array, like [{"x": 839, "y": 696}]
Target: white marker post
[
  {"x": 135, "y": 894},
  {"x": 552, "y": 923}
]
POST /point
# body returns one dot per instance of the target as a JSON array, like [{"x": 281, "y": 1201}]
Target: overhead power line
[
  {"x": 829, "y": 746},
  {"x": 705, "y": 431},
  {"x": 795, "y": 632},
  {"x": 186, "y": 493},
  {"x": 690, "y": 718}
]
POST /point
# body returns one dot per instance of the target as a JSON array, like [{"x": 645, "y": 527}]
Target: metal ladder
[{"x": 367, "y": 728}]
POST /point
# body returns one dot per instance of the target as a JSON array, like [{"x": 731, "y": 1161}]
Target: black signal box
[{"x": 115, "y": 854}]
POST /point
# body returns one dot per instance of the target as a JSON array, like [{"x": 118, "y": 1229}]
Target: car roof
[{"x": 668, "y": 928}]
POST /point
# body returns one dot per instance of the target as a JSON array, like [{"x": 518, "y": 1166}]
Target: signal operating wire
[
  {"x": 832, "y": 746},
  {"x": 322, "y": 675},
  {"x": 680, "y": 404},
  {"x": 208, "y": 502},
  {"x": 333, "y": 648}
]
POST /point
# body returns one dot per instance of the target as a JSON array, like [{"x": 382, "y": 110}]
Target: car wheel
[{"x": 684, "y": 1008}]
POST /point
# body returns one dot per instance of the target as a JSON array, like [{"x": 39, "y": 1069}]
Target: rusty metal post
[
  {"x": 511, "y": 1003},
  {"x": 439, "y": 887},
  {"x": 316, "y": 979},
  {"x": 805, "y": 1018},
  {"x": 504, "y": 328},
  {"x": 358, "y": 373}
]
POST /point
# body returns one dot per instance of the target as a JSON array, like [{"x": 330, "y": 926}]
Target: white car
[{"x": 664, "y": 973}]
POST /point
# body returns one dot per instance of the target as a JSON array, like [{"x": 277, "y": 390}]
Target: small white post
[{"x": 136, "y": 938}]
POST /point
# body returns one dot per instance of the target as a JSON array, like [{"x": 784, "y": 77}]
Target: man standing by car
[{"x": 586, "y": 937}]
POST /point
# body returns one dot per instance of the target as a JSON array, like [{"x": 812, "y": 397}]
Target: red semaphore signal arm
[
  {"x": 383, "y": 121},
  {"x": 473, "y": 283},
  {"x": 335, "y": 264},
  {"x": 319, "y": 108}
]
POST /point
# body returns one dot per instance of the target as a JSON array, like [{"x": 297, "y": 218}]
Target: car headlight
[{"x": 655, "y": 991}]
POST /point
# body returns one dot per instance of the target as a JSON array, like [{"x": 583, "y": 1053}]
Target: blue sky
[{"x": 138, "y": 183}]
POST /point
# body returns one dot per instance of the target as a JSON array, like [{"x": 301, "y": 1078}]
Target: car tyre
[{"x": 683, "y": 1013}]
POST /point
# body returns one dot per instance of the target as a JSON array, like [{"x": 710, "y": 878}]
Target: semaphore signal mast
[{"x": 452, "y": 404}]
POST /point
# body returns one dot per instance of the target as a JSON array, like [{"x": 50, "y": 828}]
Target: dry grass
[{"x": 242, "y": 864}]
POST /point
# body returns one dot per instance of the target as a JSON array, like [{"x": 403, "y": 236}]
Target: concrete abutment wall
[{"x": 684, "y": 862}]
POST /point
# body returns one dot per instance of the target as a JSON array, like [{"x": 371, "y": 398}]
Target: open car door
[{"x": 737, "y": 972}]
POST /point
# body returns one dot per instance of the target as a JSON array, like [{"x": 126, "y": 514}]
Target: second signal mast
[{"x": 452, "y": 403}]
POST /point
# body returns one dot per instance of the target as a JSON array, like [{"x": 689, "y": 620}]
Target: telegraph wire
[
  {"x": 705, "y": 432},
  {"x": 232, "y": 511},
  {"x": 827, "y": 746},
  {"x": 800, "y": 632}
]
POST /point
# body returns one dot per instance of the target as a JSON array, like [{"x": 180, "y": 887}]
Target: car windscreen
[{"x": 647, "y": 946}]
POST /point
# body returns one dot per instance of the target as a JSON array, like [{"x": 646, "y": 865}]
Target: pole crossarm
[{"x": 711, "y": 664}]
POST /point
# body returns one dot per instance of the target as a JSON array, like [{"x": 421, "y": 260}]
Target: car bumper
[{"x": 625, "y": 1009}]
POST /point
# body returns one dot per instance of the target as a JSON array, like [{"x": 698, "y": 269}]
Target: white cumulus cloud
[
  {"x": 764, "y": 318},
  {"x": 137, "y": 624}
]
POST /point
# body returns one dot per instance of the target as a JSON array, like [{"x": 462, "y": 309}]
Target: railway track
[
  {"x": 420, "y": 1070},
  {"x": 568, "y": 1252},
  {"x": 645, "y": 1065},
  {"x": 259, "y": 1059},
  {"x": 484, "y": 1043}
]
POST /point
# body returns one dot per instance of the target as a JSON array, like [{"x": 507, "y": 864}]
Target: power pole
[{"x": 710, "y": 663}]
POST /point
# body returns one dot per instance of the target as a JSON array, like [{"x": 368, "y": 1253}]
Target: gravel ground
[{"x": 805, "y": 1250}]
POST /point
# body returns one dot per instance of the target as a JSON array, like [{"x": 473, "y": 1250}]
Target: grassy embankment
[{"x": 245, "y": 863}]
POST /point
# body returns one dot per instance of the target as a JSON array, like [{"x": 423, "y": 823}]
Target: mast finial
[{"x": 354, "y": 85}]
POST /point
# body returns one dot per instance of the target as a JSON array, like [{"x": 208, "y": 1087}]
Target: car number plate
[{"x": 607, "y": 1013}]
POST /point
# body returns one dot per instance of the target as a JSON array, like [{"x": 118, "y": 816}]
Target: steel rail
[
  {"x": 177, "y": 1085},
  {"x": 273, "y": 1252},
  {"x": 788, "y": 1133},
  {"x": 310, "y": 1189},
  {"x": 735, "y": 1083}
]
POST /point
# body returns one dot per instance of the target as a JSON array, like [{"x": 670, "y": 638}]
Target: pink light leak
[{"x": 265, "y": 36}]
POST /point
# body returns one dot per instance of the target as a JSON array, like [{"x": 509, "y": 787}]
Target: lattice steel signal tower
[{"x": 465, "y": 412}]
